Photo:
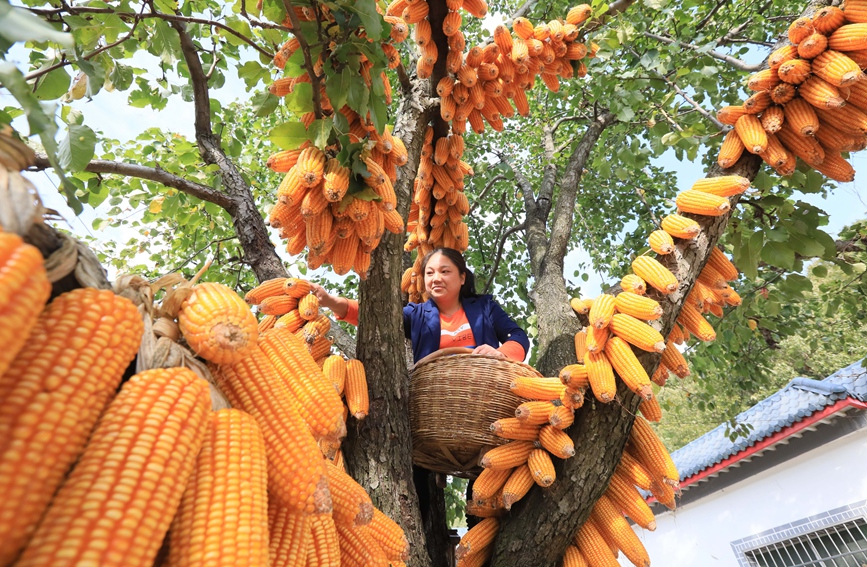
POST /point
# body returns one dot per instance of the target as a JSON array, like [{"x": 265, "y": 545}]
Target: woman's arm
[
  {"x": 343, "y": 308},
  {"x": 509, "y": 332}
]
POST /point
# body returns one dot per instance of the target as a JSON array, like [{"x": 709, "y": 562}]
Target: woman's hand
[
  {"x": 488, "y": 350},
  {"x": 338, "y": 305},
  {"x": 323, "y": 296}
]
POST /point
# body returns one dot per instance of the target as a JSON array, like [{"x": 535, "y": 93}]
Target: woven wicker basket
[{"x": 454, "y": 398}]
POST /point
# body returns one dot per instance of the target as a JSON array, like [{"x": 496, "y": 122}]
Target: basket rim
[{"x": 461, "y": 353}]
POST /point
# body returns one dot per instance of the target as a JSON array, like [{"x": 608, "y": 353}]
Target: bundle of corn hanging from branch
[{"x": 811, "y": 102}]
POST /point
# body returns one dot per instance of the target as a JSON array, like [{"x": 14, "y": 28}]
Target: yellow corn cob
[
  {"x": 556, "y": 442},
  {"x": 573, "y": 557},
  {"x": 336, "y": 181},
  {"x": 638, "y": 306},
  {"x": 581, "y": 306},
  {"x": 536, "y": 388},
  {"x": 507, "y": 456},
  {"x": 520, "y": 482},
  {"x": 654, "y": 273},
  {"x": 731, "y": 150},
  {"x": 650, "y": 410},
  {"x": 851, "y": 37},
  {"x": 282, "y": 162},
  {"x": 53, "y": 392},
  {"x": 562, "y": 417},
  {"x": 821, "y": 94},
  {"x": 311, "y": 166},
  {"x": 267, "y": 322},
  {"x": 700, "y": 203},
  {"x": 646, "y": 446},
  {"x": 267, "y": 288},
  {"x": 692, "y": 320},
  {"x": 812, "y": 46},
  {"x": 631, "y": 469},
  {"x": 574, "y": 376},
  {"x": 323, "y": 547},
  {"x": 836, "y": 168},
  {"x": 634, "y": 284},
  {"x": 118, "y": 502},
  {"x": 674, "y": 360},
  {"x": 535, "y": 412},
  {"x": 296, "y": 287},
  {"x": 601, "y": 376},
  {"x": 278, "y": 305},
  {"x": 580, "y": 345},
  {"x": 805, "y": 147},
  {"x": 291, "y": 191},
  {"x": 516, "y": 429},
  {"x": 478, "y": 537},
  {"x": 602, "y": 311},
  {"x": 291, "y": 321},
  {"x": 289, "y": 533},
  {"x": 763, "y": 80},
  {"x": 541, "y": 467},
  {"x": 597, "y": 338},
  {"x": 795, "y": 71},
  {"x": 308, "y": 307},
  {"x": 661, "y": 242},
  {"x": 629, "y": 501},
  {"x": 751, "y": 133},
  {"x": 352, "y": 504},
  {"x": 624, "y": 361},
  {"x": 637, "y": 333},
  {"x": 680, "y": 227},
  {"x": 730, "y": 114},
  {"x": 315, "y": 328},
  {"x": 318, "y": 401},
  {"x": 664, "y": 493},
  {"x": 24, "y": 289},
  {"x": 614, "y": 527},
  {"x": 490, "y": 509},
  {"x": 593, "y": 545},
  {"x": 836, "y": 68},
  {"x": 757, "y": 102},
  {"x": 719, "y": 262},
  {"x": 573, "y": 398},
  {"x": 335, "y": 370},
  {"x": 390, "y": 537},
  {"x": 213, "y": 522},
  {"x": 772, "y": 119},
  {"x": 356, "y": 389},
  {"x": 489, "y": 483},
  {"x": 296, "y": 469},
  {"x": 722, "y": 186},
  {"x": 781, "y": 55},
  {"x": 217, "y": 323}
]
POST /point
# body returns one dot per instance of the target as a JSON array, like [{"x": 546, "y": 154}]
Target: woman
[{"x": 454, "y": 316}]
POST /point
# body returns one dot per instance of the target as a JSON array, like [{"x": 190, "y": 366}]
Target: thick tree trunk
[{"x": 539, "y": 529}]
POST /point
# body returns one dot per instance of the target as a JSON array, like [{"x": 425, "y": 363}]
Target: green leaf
[
  {"x": 264, "y": 103},
  {"x": 252, "y": 72},
  {"x": 804, "y": 245},
  {"x": 370, "y": 18},
  {"x": 779, "y": 254},
  {"x": 165, "y": 42},
  {"x": 337, "y": 88},
  {"x": 820, "y": 271},
  {"x": 289, "y": 135},
  {"x": 121, "y": 76},
  {"x": 357, "y": 96},
  {"x": 17, "y": 24},
  {"x": 76, "y": 149},
  {"x": 319, "y": 132},
  {"x": 747, "y": 256},
  {"x": 52, "y": 85},
  {"x": 378, "y": 113},
  {"x": 300, "y": 100}
]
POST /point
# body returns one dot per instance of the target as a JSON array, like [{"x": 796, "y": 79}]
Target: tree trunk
[{"x": 540, "y": 527}]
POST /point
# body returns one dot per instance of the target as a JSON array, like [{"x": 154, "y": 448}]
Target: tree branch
[
  {"x": 201, "y": 95},
  {"x": 733, "y": 61},
  {"x": 488, "y": 186},
  {"x": 505, "y": 236},
  {"x": 155, "y": 174},
  {"x": 308, "y": 60},
  {"x": 720, "y": 126},
  {"x": 711, "y": 14}
]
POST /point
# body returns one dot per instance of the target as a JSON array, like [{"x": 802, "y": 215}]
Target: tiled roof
[{"x": 800, "y": 398}]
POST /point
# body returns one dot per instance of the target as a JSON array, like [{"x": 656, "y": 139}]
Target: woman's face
[{"x": 442, "y": 280}]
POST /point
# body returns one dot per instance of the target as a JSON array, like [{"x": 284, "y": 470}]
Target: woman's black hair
[{"x": 469, "y": 287}]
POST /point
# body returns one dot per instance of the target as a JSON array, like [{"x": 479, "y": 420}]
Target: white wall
[{"x": 699, "y": 534}]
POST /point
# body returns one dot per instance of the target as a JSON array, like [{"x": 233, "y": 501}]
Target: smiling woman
[{"x": 453, "y": 316}]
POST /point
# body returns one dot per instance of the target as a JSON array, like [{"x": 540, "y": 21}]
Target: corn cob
[
  {"x": 828, "y": 19},
  {"x": 837, "y": 168},
  {"x": 593, "y": 546},
  {"x": 632, "y": 470},
  {"x": 649, "y": 450},
  {"x": 730, "y": 114},
  {"x": 311, "y": 166},
  {"x": 291, "y": 321},
  {"x": 289, "y": 533},
  {"x": 213, "y": 523},
  {"x": 722, "y": 264},
  {"x": 517, "y": 486},
  {"x": 581, "y": 306},
  {"x": 763, "y": 80},
  {"x": 664, "y": 493},
  {"x": 601, "y": 311},
  {"x": 580, "y": 345},
  {"x": 836, "y": 68},
  {"x": 389, "y": 536},
  {"x": 278, "y": 305},
  {"x": 654, "y": 273},
  {"x": 614, "y": 527},
  {"x": 217, "y": 323},
  {"x": 352, "y": 504},
  {"x": 356, "y": 389},
  {"x": 541, "y": 467},
  {"x": 781, "y": 55},
  {"x": 24, "y": 289},
  {"x": 323, "y": 547},
  {"x": 731, "y": 150},
  {"x": 629, "y": 501},
  {"x": 722, "y": 186},
  {"x": 637, "y": 333},
  {"x": 296, "y": 469},
  {"x": 267, "y": 322},
  {"x": 335, "y": 370},
  {"x": 296, "y": 287},
  {"x": 267, "y": 288},
  {"x": 574, "y": 376},
  {"x": 536, "y": 388},
  {"x": 535, "y": 412},
  {"x": 812, "y": 46},
  {"x": 574, "y": 558},
  {"x": 489, "y": 483},
  {"x": 680, "y": 227},
  {"x": 50, "y": 408},
  {"x": 631, "y": 282},
  {"x": 821, "y": 94},
  {"x": 491, "y": 508},
  {"x": 515, "y": 429},
  {"x": 283, "y": 161},
  {"x": 597, "y": 338},
  {"x": 757, "y": 102},
  {"x": 152, "y": 430},
  {"x": 556, "y": 442},
  {"x": 751, "y": 133},
  {"x": 601, "y": 376},
  {"x": 478, "y": 537},
  {"x": 805, "y": 147},
  {"x": 674, "y": 360},
  {"x": 507, "y": 456},
  {"x": 318, "y": 401},
  {"x": 853, "y": 121},
  {"x": 692, "y": 320},
  {"x": 624, "y": 361},
  {"x": 661, "y": 242},
  {"x": 851, "y": 37},
  {"x": 650, "y": 410},
  {"x": 638, "y": 306},
  {"x": 562, "y": 417},
  {"x": 700, "y": 203}
]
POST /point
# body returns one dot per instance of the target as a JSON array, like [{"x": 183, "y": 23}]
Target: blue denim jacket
[{"x": 490, "y": 324}]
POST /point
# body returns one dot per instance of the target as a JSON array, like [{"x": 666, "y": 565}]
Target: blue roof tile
[{"x": 800, "y": 398}]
